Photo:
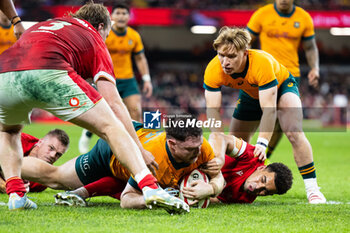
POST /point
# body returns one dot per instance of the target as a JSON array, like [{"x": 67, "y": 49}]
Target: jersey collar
[
  {"x": 283, "y": 14},
  {"x": 244, "y": 72},
  {"x": 120, "y": 34},
  {"x": 175, "y": 164},
  {"x": 5, "y": 26}
]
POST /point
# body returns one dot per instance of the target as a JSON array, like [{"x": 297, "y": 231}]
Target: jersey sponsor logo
[
  {"x": 240, "y": 83},
  {"x": 151, "y": 120},
  {"x": 296, "y": 24},
  {"x": 240, "y": 173},
  {"x": 74, "y": 102},
  {"x": 290, "y": 84}
]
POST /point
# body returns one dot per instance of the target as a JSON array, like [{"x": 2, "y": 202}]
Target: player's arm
[
  {"x": 213, "y": 105},
  {"x": 7, "y": 7},
  {"x": 268, "y": 104},
  {"x": 200, "y": 190},
  {"x": 142, "y": 66},
  {"x": 312, "y": 58},
  {"x": 132, "y": 198},
  {"x": 109, "y": 91}
]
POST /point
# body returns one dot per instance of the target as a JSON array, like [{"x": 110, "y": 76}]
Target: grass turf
[{"x": 287, "y": 213}]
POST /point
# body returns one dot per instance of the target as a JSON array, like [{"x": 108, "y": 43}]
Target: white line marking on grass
[{"x": 3, "y": 203}]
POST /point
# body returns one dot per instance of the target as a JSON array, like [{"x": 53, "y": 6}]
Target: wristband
[
  {"x": 146, "y": 78},
  {"x": 262, "y": 141},
  {"x": 15, "y": 20}
]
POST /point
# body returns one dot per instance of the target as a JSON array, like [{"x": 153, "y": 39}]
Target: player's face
[
  {"x": 50, "y": 149},
  {"x": 188, "y": 150},
  {"x": 261, "y": 182},
  {"x": 120, "y": 17},
  {"x": 231, "y": 60},
  {"x": 284, "y": 5}
]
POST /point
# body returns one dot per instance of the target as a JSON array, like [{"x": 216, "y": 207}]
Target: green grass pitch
[{"x": 287, "y": 213}]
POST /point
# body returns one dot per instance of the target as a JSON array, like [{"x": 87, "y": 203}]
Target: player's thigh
[
  {"x": 127, "y": 87},
  {"x": 290, "y": 115},
  {"x": 243, "y": 129},
  {"x": 99, "y": 120},
  {"x": 13, "y": 108},
  {"x": 133, "y": 104},
  {"x": 95, "y": 164},
  {"x": 66, "y": 175},
  {"x": 246, "y": 116}
]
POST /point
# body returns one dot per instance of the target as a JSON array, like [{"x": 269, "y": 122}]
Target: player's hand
[
  {"x": 147, "y": 89},
  {"x": 198, "y": 190},
  {"x": 18, "y": 30},
  {"x": 313, "y": 77},
  {"x": 150, "y": 161},
  {"x": 260, "y": 152},
  {"x": 212, "y": 167}
]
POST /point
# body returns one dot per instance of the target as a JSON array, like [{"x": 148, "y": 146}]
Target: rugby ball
[{"x": 186, "y": 182}]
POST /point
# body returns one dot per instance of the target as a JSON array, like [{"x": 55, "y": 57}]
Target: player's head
[
  {"x": 120, "y": 15},
  {"x": 52, "y": 146},
  {"x": 184, "y": 139},
  {"x": 97, "y": 15},
  {"x": 276, "y": 178},
  {"x": 231, "y": 46},
  {"x": 285, "y": 6}
]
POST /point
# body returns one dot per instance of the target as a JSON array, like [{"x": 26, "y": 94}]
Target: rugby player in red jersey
[
  {"x": 47, "y": 68},
  {"x": 49, "y": 149}
]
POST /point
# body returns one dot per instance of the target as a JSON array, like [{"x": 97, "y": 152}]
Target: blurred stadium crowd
[
  {"x": 198, "y": 4},
  {"x": 178, "y": 75}
]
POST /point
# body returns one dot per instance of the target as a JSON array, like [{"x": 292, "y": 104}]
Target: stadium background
[{"x": 177, "y": 57}]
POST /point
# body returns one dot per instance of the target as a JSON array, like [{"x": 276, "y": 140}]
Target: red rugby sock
[
  {"x": 149, "y": 181},
  {"x": 105, "y": 186},
  {"x": 15, "y": 185}
]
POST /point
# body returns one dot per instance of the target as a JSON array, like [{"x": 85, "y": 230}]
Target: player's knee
[{"x": 294, "y": 136}]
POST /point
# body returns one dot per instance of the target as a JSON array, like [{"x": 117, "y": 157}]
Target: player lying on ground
[
  {"x": 178, "y": 151},
  {"x": 49, "y": 149},
  {"x": 246, "y": 177},
  {"x": 67, "y": 51}
]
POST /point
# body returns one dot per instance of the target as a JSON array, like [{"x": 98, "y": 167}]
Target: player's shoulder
[
  {"x": 213, "y": 68},
  {"x": 132, "y": 32},
  {"x": 265, "y": 9},
  {"x": 301, "y": 11}
]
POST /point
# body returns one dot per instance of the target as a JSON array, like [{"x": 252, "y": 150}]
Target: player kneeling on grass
[{"x": 245, "y": 174}]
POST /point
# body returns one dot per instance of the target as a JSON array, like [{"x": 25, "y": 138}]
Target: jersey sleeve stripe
[
  {"x": 206, "y": 87},
  {"x": 252, "y": 32},
  {"x": 269, "y": 85},
  {"x": 141, "y": 51},
  {"x": 103, "y": 74},
  {"x": 308, "y": 37}
]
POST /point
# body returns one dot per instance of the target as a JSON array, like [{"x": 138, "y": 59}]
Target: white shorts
[{"x": 66, "y": 95}]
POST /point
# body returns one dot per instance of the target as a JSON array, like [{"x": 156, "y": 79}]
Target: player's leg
[
  {"x": 246, "y": 117},
  {"x": 13, "y": 114},
  {"x": 11, "y": 160},
  {"x": 133, "y": 104},
  {"x": 130, "y": 93},
  {"x": 275, "y": 139},
  {"x": 290, "y": 117},
  {"x": 55, "y": 177}
]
